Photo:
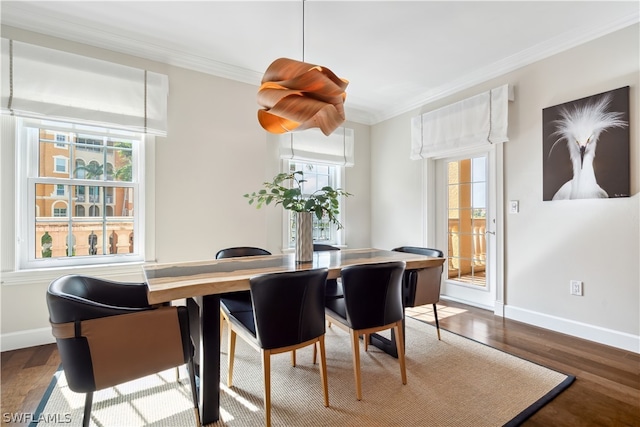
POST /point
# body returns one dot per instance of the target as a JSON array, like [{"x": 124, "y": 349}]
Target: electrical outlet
[{"x": 575, "y": 287}]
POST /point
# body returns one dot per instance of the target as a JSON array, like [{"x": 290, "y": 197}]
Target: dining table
[{"x": 202, "y": 282}]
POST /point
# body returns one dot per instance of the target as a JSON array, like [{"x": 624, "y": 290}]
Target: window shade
[
  {"x": 39, "y": 82},
  {"x": 473, "y": 122},
  {"x": 313, "y": 146}
]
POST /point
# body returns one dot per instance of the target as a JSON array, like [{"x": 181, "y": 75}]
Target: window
[
  {"x": 61, "y": 138},
  {"x": 58, "y": 212},
  {"x": 60, "y": 164},
  {"x": 94, "y": 208},
  {"x": 88, "y": 144},
  {"x": 316, "y": 176},
  {"x": 467, "y": 213}
]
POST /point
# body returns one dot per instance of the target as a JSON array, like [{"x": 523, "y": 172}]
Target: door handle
[{"x": 490, "y": 232}]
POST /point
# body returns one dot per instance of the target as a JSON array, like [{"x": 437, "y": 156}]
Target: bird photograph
[{"x": 586, "y": 146}]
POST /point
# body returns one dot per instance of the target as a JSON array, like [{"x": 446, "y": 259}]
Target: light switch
[{"x": 514, "y": 206}]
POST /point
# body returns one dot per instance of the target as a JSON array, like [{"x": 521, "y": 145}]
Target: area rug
[{"x": 453, "y": 382}]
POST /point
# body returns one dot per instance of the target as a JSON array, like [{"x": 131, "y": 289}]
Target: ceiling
[{"x": 397, "y": 55}]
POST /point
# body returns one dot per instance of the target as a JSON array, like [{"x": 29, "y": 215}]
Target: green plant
[
  {"x": 286, "y": 189},
  {"x": 47, "y": 242}
]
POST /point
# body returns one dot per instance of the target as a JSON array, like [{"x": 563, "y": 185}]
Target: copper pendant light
[{"x": 296, "y": 95}]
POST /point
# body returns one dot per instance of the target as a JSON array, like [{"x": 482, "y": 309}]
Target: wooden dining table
[{"x": 202, "y": 282}]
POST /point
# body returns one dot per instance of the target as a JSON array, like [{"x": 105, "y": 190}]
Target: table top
[{"x": 172, "y": 281}]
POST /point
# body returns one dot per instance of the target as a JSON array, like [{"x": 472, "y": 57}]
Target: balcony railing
[
  {"x": 87, "y": 239},
  {"x": 467, "y": 248}
]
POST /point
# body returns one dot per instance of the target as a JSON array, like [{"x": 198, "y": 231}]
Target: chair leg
[
  {"x": 315, "y": 353},
  {"x": 365, "y": 338},
  {"x": 293, "y": 358},
  {"x": 323, "y": 369},
  {"x": 400, "y": 348},
  {"x": 355, "y": 343},
  {"x": 266, "y": 370},
  {"x": 230, "y": 356},
  {"x": 222, "y": 318},
  {"x": 88, "y": 401},
  {"x": 435, "y": 314},
  {"x": 191, "y": 367}
]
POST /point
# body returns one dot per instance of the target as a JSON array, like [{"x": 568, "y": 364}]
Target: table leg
[
  {"x": 389, "y": 345},
  {"x": 385, "y": 344},
  {"x": 208, "y": 355}
]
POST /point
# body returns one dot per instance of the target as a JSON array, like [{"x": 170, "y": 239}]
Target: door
[{"x": 466, "y": 227}]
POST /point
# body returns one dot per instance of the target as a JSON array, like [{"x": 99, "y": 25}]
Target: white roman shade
[
  {"x": 313, "y": 146},
  {"x": 41, "y": 83},
  {"x": 471, "y": 123}
]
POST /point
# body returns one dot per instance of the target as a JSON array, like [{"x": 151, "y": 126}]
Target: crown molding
[
  {"x": 56, "y": 26},
  {"x": 519, "y": 60}
]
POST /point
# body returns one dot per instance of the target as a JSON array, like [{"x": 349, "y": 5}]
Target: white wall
[
  {"x": 214, "y": 153},
  {"x": 547, "y": 243}
]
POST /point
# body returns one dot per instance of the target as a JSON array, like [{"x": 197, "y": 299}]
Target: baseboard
[
  {"x": 585, "y": 331},
  {"x": 24, "y": 339}
]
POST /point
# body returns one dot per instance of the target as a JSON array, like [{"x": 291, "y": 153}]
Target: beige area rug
[{"x": 453, "y": 382}]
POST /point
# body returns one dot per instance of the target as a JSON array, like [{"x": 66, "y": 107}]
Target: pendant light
[{"x": 296, "y": 95}]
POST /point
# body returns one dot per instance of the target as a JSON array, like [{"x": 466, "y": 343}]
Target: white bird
[{"x": 581, "y": 128}]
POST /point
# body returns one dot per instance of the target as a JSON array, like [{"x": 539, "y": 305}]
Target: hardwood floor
[
  {"x": 606, "y": 391},
  {"x": 26, "y": 374}
]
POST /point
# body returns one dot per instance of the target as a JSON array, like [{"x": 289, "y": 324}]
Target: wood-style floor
[{"x": 606, "y": 391}]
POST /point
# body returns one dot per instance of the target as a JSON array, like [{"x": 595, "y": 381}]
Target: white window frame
[
  {"x": 338, "y": 236},
  {"x": 27, "y": 140}
]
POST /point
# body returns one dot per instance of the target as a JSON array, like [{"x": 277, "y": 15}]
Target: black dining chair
[
  {"x": 372, "y": 302},
  {"x": 333, "y": 291},
  {"x": 422, "y": 287},
  {"x": 319, "y": 247},
  {"x": 239, "y": 301},
  {"x": 288, "y": 313},
  {"x": 334, "y": 288},
  {"x": 240, "y": 251},
  {"x": 108, "y": 334}
]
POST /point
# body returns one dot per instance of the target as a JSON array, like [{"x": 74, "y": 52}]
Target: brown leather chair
[
  {"x": 288, "y": 313},
  {"x": 372, "y": 302},
  {"x": 422, "y": 286},
  {"x": 108, "y": 334}
]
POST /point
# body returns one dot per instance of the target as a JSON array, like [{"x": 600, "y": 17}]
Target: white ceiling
[{"x": 397, "y": 55}]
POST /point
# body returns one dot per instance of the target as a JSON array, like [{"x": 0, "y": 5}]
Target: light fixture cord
[{"x": 303, "y": 15}]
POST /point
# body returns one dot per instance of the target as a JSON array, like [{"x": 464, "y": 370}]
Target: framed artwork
[{"x": 586, "y": 147}]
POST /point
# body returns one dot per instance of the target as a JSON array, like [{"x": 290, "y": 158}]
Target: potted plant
[{"x": 286, "y": 189}]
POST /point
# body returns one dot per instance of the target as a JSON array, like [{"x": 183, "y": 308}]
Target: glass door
[{"x": 466, "y": 227}]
